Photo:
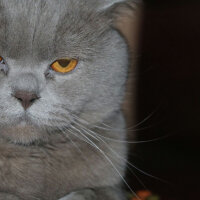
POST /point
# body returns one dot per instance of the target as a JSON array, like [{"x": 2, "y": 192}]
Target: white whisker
[
  {"x": 123, "y": 141},
  {"x": 108, "y": 159},
  {"x": 115, "y": 153}
]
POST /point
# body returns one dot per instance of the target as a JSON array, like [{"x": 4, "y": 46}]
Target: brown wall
[{"x": 168, "y": 86}]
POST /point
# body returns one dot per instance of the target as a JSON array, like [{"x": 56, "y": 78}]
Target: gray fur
[{"x": 37, "y": 157}]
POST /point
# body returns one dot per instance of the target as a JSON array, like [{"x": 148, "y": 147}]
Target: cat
[{"x": 62, "y": 82}]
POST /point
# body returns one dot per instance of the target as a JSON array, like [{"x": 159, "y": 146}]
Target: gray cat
[{"x": 62, "y": 81}]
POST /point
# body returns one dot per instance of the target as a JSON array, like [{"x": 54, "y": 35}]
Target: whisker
[
  {"x": 88, "y": 133},
  {"x": 99, "y": 137},
  {"x": 115, "y": 153},
  {"x": 138, "y": 179},
  {"x": 124, "y": 141},
  {"x": 136, "y": 125},
  {"x": 90, "y": 142},
  {"x": 133, "y": 142},
  {"x": 109, "y": 128},
  {"x": 70, "y": 139},
  {"x": 75, "y": 145},
  {"x": 123, "y": 129},
  {"x": 108, "y": 159}
]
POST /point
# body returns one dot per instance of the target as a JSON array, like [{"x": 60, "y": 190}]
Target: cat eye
[
  {"x": 1, "y": 60},
  {"x": 3, "y": 65},
  {"x": 64, "y": 65}
]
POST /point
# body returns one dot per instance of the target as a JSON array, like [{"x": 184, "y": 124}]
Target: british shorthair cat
[{"x": 62, "y": 82}]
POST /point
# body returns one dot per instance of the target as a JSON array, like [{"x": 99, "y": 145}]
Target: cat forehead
[{"x": 46, "y": 26}]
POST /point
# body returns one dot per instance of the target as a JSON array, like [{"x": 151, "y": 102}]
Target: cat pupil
[{"x": 63, "y": 62}]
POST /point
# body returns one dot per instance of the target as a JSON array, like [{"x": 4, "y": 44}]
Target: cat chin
[{"x": 23, "y": 134}]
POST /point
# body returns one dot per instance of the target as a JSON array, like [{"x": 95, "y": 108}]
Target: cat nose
[{"x": 26, "y": 98}]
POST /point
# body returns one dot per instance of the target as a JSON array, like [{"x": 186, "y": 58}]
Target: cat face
[{"x": 36, "y": 100}]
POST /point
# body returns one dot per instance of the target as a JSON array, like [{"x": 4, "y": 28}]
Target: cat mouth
[
  {"x": 28, "y": 130},
  {"x": 24, "y": 121},
  {"x": 24, "y": 125},
  {"x": 22, "y": 131}
]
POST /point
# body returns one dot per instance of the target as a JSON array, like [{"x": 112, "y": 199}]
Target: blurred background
[{"x": 168, "y": 99}]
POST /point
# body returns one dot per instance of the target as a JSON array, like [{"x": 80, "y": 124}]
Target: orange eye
[
  {"x": 2, "y": 60},
  {"x": 64, "y": 65}
]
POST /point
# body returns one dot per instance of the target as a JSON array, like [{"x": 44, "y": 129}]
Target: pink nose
[{"x": 26, "y": 98}]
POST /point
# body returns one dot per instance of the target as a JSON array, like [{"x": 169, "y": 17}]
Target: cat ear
[
  {"x": 115, "y": 9},
  {"x": 125, "y": 16},
  {"x": 105, "y": 4}
]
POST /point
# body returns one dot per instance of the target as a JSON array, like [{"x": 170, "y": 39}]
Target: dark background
[{"x": 169, "y": 91}]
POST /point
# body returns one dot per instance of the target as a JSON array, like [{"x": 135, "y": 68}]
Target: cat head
[{"x": 39, "y": 95}]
